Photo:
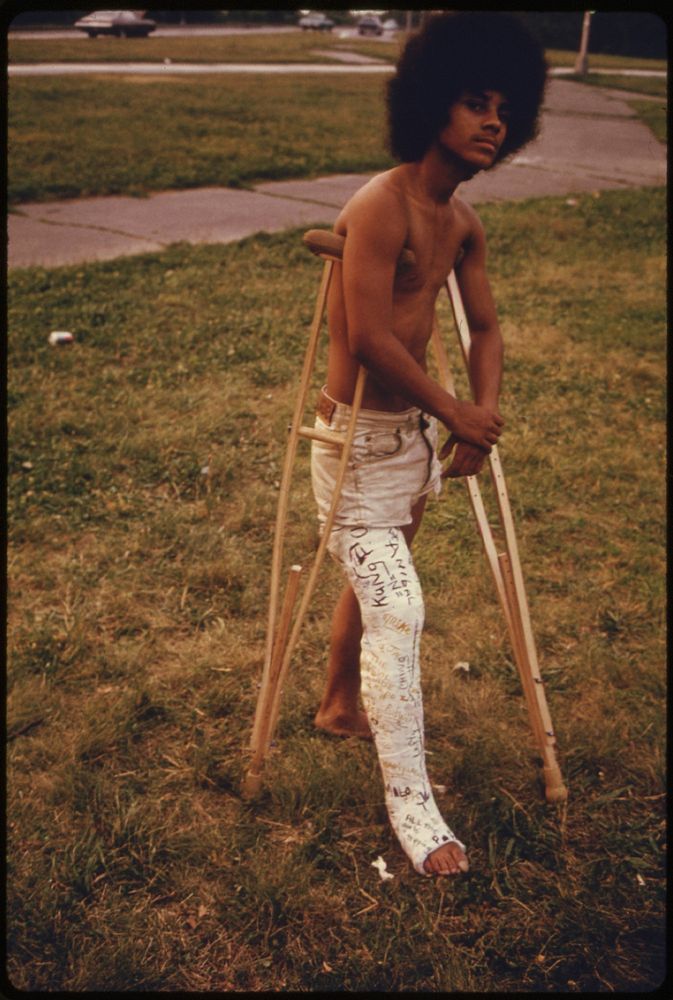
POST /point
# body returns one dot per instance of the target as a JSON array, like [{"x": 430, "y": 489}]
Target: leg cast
[{"x": 380, "y": 571}]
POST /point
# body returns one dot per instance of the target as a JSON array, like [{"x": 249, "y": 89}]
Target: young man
[{"x": 467, "y": 93}]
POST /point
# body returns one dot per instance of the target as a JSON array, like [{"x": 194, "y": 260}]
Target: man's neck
[{"x": 435, "y": 177}]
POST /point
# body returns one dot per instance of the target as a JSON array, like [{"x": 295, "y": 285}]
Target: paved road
[{"x": 590, "y": 140}]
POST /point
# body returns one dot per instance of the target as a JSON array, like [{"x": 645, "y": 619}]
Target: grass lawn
[
  {"x": 598, "y": 60},
  {"x": 143, "y": 471},
  {"x": 268, "y": 47},
  {"x": 89, "y": 136},
  {"x": 655, "y": 86}
]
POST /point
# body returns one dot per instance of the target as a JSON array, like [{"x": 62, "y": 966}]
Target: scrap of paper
[{"x": 381, "y": 865}]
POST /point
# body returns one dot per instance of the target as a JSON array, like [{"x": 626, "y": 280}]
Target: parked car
[
  {"x": 370, "y": 25},
  {"x": 123, "y": 23},
  {"x": 316, "y": 22}
]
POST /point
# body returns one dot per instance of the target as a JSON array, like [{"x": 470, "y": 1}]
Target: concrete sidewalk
[{"x": 590, "y": 140}]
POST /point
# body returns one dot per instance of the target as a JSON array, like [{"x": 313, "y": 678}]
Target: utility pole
[{"x": 582, "y": 61}]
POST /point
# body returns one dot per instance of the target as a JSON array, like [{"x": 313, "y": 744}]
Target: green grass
[
  {"x": 655, "y": 86},
  {"x": 655, "y": 117},
  {"x": 73, "y": 137},
  {"x": 264, "y": 48},
  {"x": 143, "y": 471},
  {"x": 598, "y": 60}
]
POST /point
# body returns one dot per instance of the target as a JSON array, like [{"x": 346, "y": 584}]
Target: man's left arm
[{"x": 486, "y": 350}]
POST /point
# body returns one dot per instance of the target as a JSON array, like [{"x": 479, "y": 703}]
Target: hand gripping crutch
[
  {"x": 506, "y": 569},
  {"x": 279, "y": 648}
]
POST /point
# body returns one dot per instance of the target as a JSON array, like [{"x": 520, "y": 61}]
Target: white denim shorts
[{"x": 393, "y": 462}]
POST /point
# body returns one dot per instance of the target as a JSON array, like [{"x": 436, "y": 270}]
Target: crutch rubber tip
[
  {"x": 252, "y": 784},
  {"x": 555, "y": 790}
]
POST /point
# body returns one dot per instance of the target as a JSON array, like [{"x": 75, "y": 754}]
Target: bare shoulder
[
  {"x": 469, "y": 222},
  {"x": 376, "y": 214}
]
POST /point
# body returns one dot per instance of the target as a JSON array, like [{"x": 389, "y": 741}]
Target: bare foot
[
  {"x": 344, "y": 724},
  {"x": 449, "y": 859}
]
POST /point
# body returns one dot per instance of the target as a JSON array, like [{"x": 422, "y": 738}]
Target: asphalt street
[{"x": 590, "y": 140}]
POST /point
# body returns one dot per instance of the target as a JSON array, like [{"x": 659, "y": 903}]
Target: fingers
[
  {"x": 496, "y": 429},
  {"x": 492, "y": 433},
  {"x": 467, "y": 461},
  {"x": 479, "y": 426},
  {"x": 448, "y": 446},
  {"x": 457, "y": 471}
]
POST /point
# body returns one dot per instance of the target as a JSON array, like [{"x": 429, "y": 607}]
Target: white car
[
  {"x": 370, "y": 26},
  {"x": 316, "y": 22},
  {"x": 123, "y": 23}
]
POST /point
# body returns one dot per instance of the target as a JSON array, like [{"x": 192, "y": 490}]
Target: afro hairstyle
[{"x": 457, "y": 52}]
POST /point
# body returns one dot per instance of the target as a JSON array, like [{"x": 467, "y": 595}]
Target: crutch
[
  {"x": 330, "y": 246},
  {"x": 279, "y": 648},
  {"x": 505, "y": 566},
  {"x": 506, "y": 569}
]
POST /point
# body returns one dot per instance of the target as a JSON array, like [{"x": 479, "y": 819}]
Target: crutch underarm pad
[{"x": 322, "y": 241}]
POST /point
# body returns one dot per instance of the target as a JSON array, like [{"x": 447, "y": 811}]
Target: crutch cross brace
[{"x": 505, "y": 566}]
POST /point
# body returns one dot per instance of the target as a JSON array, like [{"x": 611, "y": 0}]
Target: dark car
[
  {"x": 370, "y": 26},
  {"x": 122, "y": 23},
  {"x": 316, "y": 22}
]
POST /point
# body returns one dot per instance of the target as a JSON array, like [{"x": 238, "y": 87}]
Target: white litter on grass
[
  {"x": 60, "y": 337},
  {"x": 462, "y": 666},
  {"x": 381, "y": 865}
]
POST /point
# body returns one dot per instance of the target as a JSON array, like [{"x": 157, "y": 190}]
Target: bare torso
[{"x": 435, "y": 234}]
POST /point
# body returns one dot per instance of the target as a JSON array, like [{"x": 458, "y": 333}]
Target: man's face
[{"x": 476, "y": 129}]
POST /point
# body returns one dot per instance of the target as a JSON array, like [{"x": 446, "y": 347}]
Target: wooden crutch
[
  {"x": 506, "y": 569},
  {"x": 509, "y": 584},
  {"x": 279, "y": 648},
  {"x": 505, "y": 566}
]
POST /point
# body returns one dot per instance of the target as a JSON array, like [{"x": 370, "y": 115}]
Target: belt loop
[{"x": 325, "y": 407}]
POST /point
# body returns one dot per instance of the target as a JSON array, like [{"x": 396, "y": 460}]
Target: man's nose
[{"x": 492, "y": 121}]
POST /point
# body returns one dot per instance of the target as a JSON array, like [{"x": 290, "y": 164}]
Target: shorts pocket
[{"x": 375, "y": 446}]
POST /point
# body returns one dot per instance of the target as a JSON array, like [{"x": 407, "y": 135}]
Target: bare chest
[{"x": 435, "y": 239}]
